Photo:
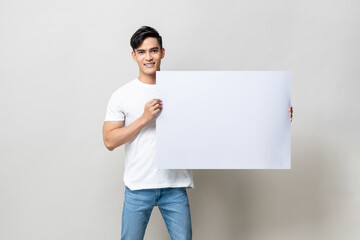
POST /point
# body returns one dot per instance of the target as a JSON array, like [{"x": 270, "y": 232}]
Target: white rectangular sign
[{"x": 223, "y": 120}]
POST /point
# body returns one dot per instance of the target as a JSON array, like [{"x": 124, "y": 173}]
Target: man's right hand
[{"x": 152, "y": 108}]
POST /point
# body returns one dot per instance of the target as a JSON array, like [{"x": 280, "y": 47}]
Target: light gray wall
[{"x": 61, "y": 60}]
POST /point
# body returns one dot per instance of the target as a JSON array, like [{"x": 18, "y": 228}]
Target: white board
[{"x": 223, "y": 120}]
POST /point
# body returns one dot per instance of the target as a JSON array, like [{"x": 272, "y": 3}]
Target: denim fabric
[{"x": 173, "y": 204}]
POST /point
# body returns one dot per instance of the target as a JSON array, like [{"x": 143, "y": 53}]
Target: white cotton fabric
[{"x": 127, "y": 104}]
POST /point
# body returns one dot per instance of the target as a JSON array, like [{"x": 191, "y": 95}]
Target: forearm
[{"x": 119, "y": 136}]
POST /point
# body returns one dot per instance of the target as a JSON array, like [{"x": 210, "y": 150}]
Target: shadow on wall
[{"x": 266, "y": 204}]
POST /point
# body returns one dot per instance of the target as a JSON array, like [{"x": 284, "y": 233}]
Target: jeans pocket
[{"x": 183, "y": 190}]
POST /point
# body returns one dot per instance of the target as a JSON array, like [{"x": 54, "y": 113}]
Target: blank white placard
[{"x": 223, "y": 120}]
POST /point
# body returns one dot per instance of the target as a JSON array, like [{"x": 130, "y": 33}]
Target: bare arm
[{"x": 115, "y": 134}]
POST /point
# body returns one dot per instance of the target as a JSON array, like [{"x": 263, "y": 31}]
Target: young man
[{"x": 131, "y": 120}]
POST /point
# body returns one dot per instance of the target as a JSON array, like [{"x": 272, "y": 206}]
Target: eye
[{"x": 154, "y": 50}]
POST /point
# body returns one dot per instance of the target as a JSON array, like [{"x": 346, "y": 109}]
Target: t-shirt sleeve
[{"x": 114, "y": 110}]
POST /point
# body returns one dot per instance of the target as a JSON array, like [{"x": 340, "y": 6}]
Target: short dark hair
[{"x": 144, "y": 32}]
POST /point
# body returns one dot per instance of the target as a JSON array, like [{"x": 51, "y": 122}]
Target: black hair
[{"x": 144, "y": 32}]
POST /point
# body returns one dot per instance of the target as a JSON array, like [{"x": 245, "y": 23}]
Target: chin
[{"x": 149, "y": 72}]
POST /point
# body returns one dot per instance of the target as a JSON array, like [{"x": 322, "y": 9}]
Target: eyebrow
[{"x": 150, "y": 49}]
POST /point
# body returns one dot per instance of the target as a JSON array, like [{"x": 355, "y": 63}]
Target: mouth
[{"x": 150, "y": 65}]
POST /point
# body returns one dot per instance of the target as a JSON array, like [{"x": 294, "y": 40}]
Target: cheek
[
  {"x": 139, "y": 60},
  {"x": 158, "y": 57}
]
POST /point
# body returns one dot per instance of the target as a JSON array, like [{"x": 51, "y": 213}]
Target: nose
[{"x": 148, "y": 56}]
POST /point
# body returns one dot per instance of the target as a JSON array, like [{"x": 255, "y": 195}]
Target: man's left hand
[{"x": 291, "y": 113}]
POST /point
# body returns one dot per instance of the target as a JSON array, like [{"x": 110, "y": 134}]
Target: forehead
[{"x": 149, "y": 42}]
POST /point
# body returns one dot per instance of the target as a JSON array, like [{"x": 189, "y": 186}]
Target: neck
[{"x": 148, "y": 79}]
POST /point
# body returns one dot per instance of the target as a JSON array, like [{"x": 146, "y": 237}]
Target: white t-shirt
[{"x": 128, "y": 103}]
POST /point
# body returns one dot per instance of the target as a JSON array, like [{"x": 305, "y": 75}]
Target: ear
[
  {"x": 162, "y": 53},
  {"x": 133, "y": 55}
]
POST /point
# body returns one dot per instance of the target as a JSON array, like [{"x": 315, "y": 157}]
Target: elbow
[{"x": 109, "y": 146}]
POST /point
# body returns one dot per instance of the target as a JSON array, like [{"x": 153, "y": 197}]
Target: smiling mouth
[{"x": 150, "y": 65}]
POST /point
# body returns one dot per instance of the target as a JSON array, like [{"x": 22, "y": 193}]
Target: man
[{"x": 131, "y": 120}]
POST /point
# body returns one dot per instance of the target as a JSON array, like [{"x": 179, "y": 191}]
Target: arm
[{"x": 115, "y": 134}]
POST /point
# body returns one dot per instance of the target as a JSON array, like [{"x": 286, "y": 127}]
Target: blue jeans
[{"x": 173, "y": 204}]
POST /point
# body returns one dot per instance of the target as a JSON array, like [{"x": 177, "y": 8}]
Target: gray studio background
[{"x": 61, "y": 60}]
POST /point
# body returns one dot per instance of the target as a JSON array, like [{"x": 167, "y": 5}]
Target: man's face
[{"x": 148, "y": 56}]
